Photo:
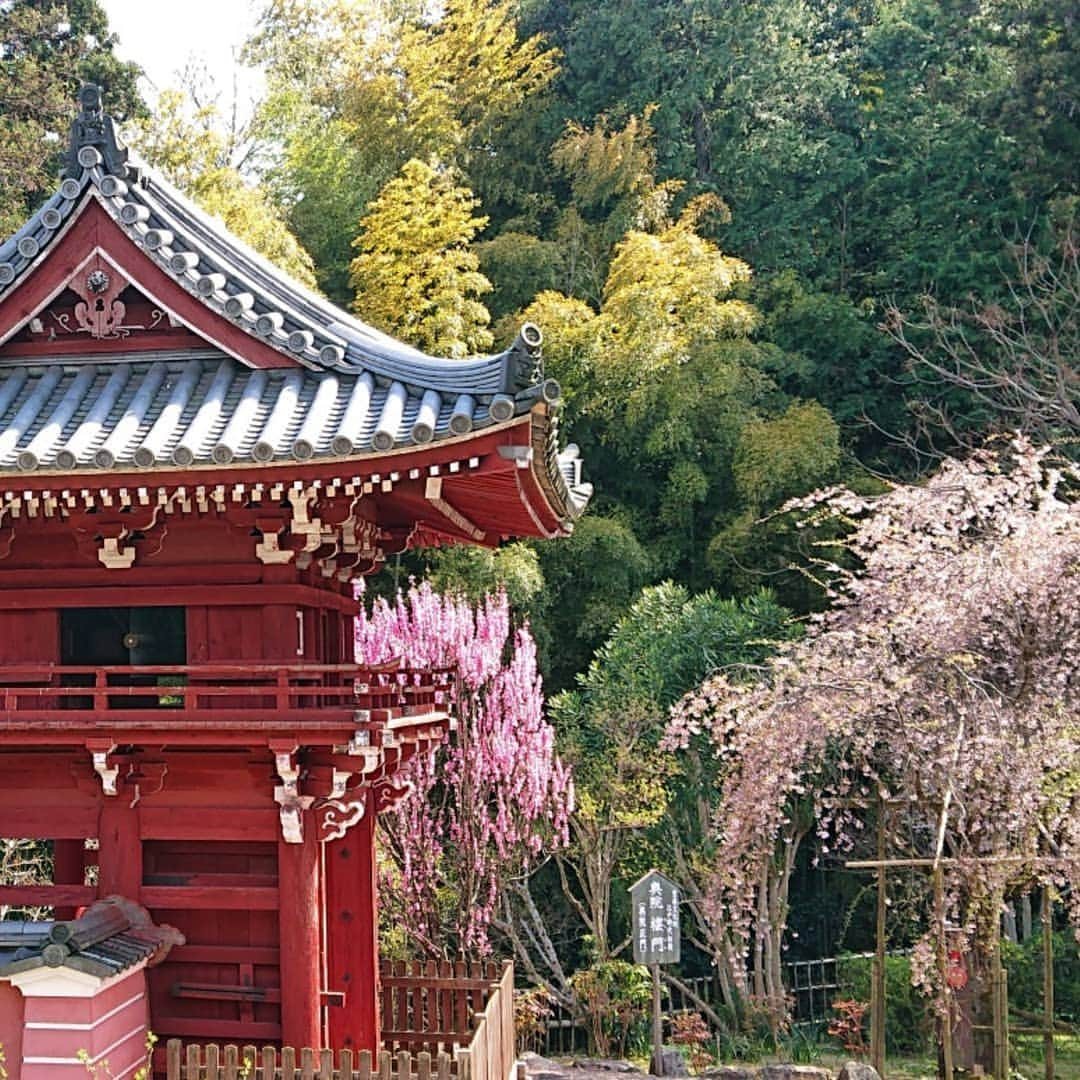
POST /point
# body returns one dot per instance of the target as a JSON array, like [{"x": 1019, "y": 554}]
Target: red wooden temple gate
[{"x": 198, "y": 457}]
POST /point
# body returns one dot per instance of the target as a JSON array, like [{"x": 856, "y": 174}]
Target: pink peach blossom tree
[{"x": 487, "y": 806}]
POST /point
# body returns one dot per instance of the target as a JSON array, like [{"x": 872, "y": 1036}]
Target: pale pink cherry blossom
[{"x": 946, "y": 671}]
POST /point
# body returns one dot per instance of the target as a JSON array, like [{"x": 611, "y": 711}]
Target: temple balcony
[{"x": 344, "y": 705}]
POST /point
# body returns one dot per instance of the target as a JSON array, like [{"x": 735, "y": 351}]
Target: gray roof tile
[{"x": 190, "y": 408}]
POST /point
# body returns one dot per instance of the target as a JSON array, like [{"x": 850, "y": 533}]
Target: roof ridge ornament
[
  {"x": 93, "y": 130},
  {"x": 523, "y": 363}
]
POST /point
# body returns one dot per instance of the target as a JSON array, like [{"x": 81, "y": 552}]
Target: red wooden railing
[{"x": 219, "y": 694}]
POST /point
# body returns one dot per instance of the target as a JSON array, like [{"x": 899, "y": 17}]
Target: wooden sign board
[{"x": 655, "y": 902}]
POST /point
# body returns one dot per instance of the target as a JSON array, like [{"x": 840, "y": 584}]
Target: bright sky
[{"x": 164, "y": 38}]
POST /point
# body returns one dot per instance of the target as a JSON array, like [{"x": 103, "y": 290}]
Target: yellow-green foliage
[
  {"x": 193, "y": 153},
  {"x": 604, "y": 164},
  {"x": 519, "y": 265},
  {"x": 416, "y": 275},
  {"x": 461, "y": 79},
  {"x": 776, "y": 459},
  {"x": 667, "y": 294},
  {"x": 477, "y": 572},
  {"x": 404, "y": 85}
]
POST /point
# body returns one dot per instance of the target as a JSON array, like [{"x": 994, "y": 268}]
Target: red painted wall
[
  {"x": 110, "y": 1027},
  {"x": 11, "y": 1028}
]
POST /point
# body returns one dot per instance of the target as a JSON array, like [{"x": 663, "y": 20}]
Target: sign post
[{"x": 655, "y": 903}]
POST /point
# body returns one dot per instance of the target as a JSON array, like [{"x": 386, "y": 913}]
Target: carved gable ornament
[
  {"x": 99, "y": 302},
  {"x": 100, "y": 312}
]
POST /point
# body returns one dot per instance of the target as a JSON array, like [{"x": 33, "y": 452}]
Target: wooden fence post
[
  {"x": 172, "y": 1059},
  {"x": 1048, "y": 982}
]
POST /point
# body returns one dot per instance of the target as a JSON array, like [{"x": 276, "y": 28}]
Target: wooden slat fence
[
  {"x": 433, "y": 1006},
  {"x": 464, "y": 1023},
  {"x": 492, "y": 1052},
  {"x": 268, "y": 1063}
]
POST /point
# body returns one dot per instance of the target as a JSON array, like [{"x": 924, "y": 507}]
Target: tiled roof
[
  {"x": 206, "y": 408},
  {"x": 235, "y": 281},
  {"x": 353, "y": 390}
]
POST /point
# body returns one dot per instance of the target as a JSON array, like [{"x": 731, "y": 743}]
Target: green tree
[
  {"x": 475, "y": 572},
  {"x": 416, "y": 275},
  {"x": 664, "y": 374},
  {"x": 611, "y": 725},
  {"x": 357, "y": 90},
  {"x": 47, "y": 48},
  {"x": 590, "y": 579},
  {"x": 190, "y": 148}
]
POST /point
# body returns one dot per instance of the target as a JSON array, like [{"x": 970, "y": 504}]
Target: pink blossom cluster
[
  {"x": 496, "y": 795},
  {"x": 946, "y": 673}
]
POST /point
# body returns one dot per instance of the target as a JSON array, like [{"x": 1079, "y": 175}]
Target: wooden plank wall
[{"x": 432, "y": 1005}]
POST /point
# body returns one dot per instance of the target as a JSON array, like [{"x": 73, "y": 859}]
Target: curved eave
[{"x": 492, "y": 474}]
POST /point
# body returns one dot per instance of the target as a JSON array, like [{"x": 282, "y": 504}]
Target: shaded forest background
[{"x": 773, "y": 245}]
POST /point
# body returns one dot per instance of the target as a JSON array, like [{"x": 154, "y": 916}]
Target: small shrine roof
[{"x": 111, "y": 936}]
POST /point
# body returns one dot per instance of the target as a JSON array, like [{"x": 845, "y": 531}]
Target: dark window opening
[{"x": 125, "y": 637}]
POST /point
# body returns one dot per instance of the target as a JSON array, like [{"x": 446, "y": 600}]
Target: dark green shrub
[
  {"x": 1024, "y": 965},
  {"x": 908, "y": 1022}
]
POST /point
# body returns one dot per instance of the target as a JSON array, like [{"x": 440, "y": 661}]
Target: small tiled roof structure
[
  {"x": 108, "y": 938},
  {"x": 327, "y": 385}
]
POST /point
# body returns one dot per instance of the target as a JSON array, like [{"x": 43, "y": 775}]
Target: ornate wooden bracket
[
  {"x": 107, "y": 536},
  {"x": 269, "y": 550},
  {"x": 338, "y": 816},
  {"x": 291, "y": 804},
  {"x": 390, "y": 792},
  {"x": 104, "y": 766},
  {"x": 113, "y": 556},
  {"x": 303, "y": 522}
]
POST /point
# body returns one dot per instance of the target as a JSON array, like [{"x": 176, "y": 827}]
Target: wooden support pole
[
  {"x": 352, "y": 951},
  {"x": 1048, "y": 982},
  {"x": 298, "y": 936},
  {"x": 120, "y": 863},
  {"x": 877, "y": 988},
  {"x": 657, "y": 1024},
  {"x": 996, "y": 1002},
  {"x": 942, "y": 959}
]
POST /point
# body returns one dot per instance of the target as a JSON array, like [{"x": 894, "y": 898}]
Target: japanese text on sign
[{"x": 655, "y": 904}]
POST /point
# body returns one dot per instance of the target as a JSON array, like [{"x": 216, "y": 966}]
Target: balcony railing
[{"x": 223, "y": 696}]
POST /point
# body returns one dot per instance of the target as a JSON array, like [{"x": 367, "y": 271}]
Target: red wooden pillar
[
  {"x": 120, "y": 862},
  {"x": 69, "y": 868},
  {"x": 298, "y": 938},
  {"x": 352, "y": 930}
]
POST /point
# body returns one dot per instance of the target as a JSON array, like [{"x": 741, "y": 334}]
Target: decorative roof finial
[{"x": 93, "y": 128}]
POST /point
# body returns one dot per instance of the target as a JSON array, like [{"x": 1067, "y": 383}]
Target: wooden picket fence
[
  {"x": 268, "y": 1063},
  {"x": 464, "y": 1023}
]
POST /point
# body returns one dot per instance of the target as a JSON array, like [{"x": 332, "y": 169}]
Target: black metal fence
[{"x": 813, "y": 985}]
